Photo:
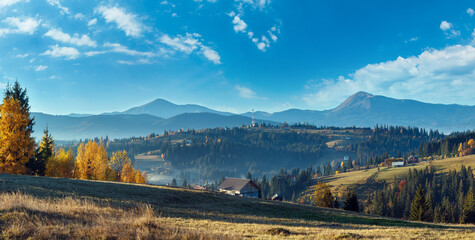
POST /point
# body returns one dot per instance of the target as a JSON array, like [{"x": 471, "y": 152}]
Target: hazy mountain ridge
[{"x": 361, "y": 109}]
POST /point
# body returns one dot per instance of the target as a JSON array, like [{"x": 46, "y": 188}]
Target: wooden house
[{"x": 240, "y": 187}]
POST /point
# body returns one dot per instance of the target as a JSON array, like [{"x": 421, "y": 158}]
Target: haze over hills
[{"x": 361, "y": 109}]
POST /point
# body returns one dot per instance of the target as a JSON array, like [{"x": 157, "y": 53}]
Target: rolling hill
[
  {"x": 366, "y": 181},
  {"x": 46, "y": 208}
]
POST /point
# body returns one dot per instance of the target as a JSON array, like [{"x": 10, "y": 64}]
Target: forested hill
[{"x": 266, "y": 149}]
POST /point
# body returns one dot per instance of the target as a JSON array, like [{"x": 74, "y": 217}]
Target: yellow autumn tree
[
  {"x": 17, "y": 146},
  {"x": 471, "y": 143},
  {"x": 117, "y": 162},
  {"x": 61, "y": 164},
  {"x": 128, "y": 173},
  {"x": 322, "y": 195},
  {"x": 92, "y": 162}
]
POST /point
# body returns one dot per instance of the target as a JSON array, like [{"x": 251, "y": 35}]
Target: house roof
[{"x": 235, "y": 184}]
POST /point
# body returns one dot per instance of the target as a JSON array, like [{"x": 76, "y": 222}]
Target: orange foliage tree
[
  {"x": 17, "y": 146},
  {"x": 130, "y": 175},
  {"x": 61, "y": 164},
  {"x": 92, "y": 162}
]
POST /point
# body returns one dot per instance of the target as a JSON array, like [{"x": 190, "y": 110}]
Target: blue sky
[{"x": 100, "y": 56}]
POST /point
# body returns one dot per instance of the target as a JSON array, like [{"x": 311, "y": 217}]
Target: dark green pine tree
[
  {"x": 468, "y": 211},
  {"x": 45, "y": 151},
  {"x": 185, "y": 184},
  {"x": 18, "y": 93},
  {"x": 351, "y": 202},
  {"x": 249, "y": 176},
  {"x": 419, "y": 207},
  {"x": 173, "y": 184}
]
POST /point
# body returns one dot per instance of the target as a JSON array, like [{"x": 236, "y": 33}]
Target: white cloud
[
  {"x": 66, "y": 52},
  {"x": 79, "y": 16},
  {"x": 118, "y": 48},
  {"x": 40, "y": 68},
  {"x": 138, "y": 62},
  {"x": 444, "y": 25},
  {"x": 434, "y": 73},
  {"x": 22, "y": 55},
  {"x": 92, "y": 22},
  {"x": 245, "y": 92},
  {"x": 6, "y": 3},
  {"x": 56, "y": 3},
  {"x": 211, "y": 55},
  {"x": 189, "y": 44},
  {"x": 127, "y": 22},
  {"x": 58, "y": 35},
  {"x": 470, "y": 11},
  {"x": 261, "y": 4},
  {"x": 93, "y": 53},
  {"x": 239, "y": 24},
  {"x": 20, "y": 25}
]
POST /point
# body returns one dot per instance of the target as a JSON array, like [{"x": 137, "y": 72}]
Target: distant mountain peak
[{"x": 359, "y": 99}]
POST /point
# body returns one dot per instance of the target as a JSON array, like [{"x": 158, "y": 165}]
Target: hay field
[{"x": 54, "y": 208}]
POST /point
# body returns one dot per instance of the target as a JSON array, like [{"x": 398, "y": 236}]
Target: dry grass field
[{"x": 54, "y": 208}]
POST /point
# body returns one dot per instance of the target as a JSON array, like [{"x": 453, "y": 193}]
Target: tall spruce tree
[
  {"x": 420, "y": 207},
  {"x": 44, "y": 152},
  {"x": 18, "y": 93},
  {"x": 351, "y": 202}
]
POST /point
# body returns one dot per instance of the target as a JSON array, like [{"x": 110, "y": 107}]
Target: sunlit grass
[{"x": 45, "y": 208}]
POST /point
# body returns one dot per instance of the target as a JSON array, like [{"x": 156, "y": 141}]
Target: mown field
[
  {"x": 54, "y": 208},
  {"x": 367, "y": 180}
]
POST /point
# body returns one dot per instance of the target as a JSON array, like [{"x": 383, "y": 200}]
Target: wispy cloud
[
  {"x": 191, "y": 43},
  {"x": 58, "y": 35},
  {"x": 448, "y": 29},
  {"x": 68, "y": 53},
  {"x": 470, "y": 12},
  {"x": 40, "y": 68},
  {"x": 22, "y": 55},
  {"x": 118, "y": 48},
  {"x": 426, "y": 77},
  {"x": 126, "y": 22},
  {"x": 92, "y": 22},
  {"x": 245, "y": 92},
  {"x": 25, "y": 25},
  {"x": 56, "y": 3},
  {"x": 6, "y": 3}
]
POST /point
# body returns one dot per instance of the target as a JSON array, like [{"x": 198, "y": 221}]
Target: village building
[
  {"x": 412, "y": 160},
  {"x": 240, "y": 187},
  {"x": 277, "y": 197},
  {"x": 397, "y": 164}
]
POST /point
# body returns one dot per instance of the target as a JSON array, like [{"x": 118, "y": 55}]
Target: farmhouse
[
  {"x": 240, "y": 187},
  {"x": 397, "y": 164}
]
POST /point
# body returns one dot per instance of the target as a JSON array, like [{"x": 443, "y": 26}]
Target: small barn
[{"x": 240, "y": 187}]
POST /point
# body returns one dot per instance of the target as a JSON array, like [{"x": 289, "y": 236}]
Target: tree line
[{"x": 19, "y": 153}]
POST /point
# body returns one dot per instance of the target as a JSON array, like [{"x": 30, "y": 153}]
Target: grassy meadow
[
  {"x": 56, "y": 208},
  {"x": 367, "y": 180}
]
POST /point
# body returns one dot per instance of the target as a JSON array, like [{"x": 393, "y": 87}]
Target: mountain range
[{"x": 361, "y": 109}]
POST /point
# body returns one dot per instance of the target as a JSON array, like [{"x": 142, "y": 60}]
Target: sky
[{"x": 84, "y": 56}]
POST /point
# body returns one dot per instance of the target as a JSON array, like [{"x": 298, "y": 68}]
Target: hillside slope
[
  {"x": 368, "y": 180},
  {"x": 201, "y": 212}
]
